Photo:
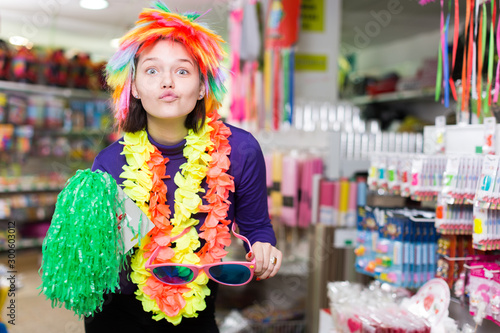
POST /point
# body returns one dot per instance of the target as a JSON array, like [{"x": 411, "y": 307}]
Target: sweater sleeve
[{"x": 251, "y": 210}]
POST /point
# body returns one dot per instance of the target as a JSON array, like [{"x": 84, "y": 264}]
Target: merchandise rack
[
  {"x": 39, "y": 89},
  {"x": 459, "y": 139},
  {"x": 29, "y": 177},
  {"x": 326, "y": 262}
]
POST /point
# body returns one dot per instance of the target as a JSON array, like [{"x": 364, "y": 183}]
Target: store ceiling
[{"x": 64, "y": 23}]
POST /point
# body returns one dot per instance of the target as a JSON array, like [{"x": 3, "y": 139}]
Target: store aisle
[{"x": 34, "y": 313}]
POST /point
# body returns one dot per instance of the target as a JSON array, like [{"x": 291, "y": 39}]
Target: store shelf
[
  {"x": 25, "y": 243},
  {"x": 52, "y": 91},
  {"x": 72, "y": 133},
  {"x": 23, "y": 190},
  {"x": 393, "y": 96}
]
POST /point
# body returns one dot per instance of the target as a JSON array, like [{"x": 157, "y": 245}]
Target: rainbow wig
[{"x": 158, "y": 22}]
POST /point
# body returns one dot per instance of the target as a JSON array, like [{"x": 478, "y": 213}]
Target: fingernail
[
  {"x": 258, "y": 279},
  {"x": 249, "y": 254}
]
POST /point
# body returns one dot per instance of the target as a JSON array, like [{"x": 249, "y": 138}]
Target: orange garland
[
  {"x": 219, "y": 183},
  {"x": 172, "y": 299}
]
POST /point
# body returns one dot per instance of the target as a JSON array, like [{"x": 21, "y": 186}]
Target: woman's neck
[{"x": 167, "y": 132}]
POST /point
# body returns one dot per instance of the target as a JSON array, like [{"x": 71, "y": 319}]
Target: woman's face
[{"x": 167, "y": 81}]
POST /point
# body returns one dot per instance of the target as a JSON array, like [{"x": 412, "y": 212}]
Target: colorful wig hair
[{"x": 155, "y": 23}]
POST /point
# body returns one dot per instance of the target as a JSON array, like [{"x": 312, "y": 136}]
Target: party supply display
[
  {"x": 486, "y": 235},
  {"x": 338, "y": 202},
  {"x": 451, "y": 250},
  {"x": 81, "y": 251},
  {"x": 5, "y": 59},
  {"x": 397, "y": 246},
  {"x": 290, "y": 186},
  {"x": 56, "y": 68},
  {"x": 454, "y": 219},
  {"x": 430, "y": 302},
  {"x": 417, "y": 176},
  {"x": 484, "y": 291},
  {"x": 477, "y": 92},
  {"x": 355, "y": 309},
  {"x": 24, "y": 66}
]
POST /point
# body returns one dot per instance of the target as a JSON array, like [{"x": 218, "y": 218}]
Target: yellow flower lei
[{"x": 169, "y": 302}]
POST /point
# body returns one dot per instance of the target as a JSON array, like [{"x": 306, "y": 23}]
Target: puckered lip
[{"x": 169, "y": 95}]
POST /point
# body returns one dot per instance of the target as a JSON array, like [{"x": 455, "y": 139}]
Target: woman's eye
[
  {"x": 182, "y": 71},
  {"x": 151, "y": 71}
]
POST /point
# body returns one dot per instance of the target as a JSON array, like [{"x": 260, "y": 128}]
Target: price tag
[
  {"x": 440, "y": 135},
  {"x": 480, "y": 228},
  {"x": 489, "y": 135},
  {"x": 487, "y": 178},
  {"x": 450, "y": 176},
  {"x": 441, "y": 209},
  {"x": 416, "y": 175},
  {"x": 372, "y": 174},
  {"x": 393, "y": 181},
  {"x": 382, "y": 173},
  {"x": 406, "y": 177}
]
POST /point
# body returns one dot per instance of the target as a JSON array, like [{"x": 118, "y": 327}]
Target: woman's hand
[{"x": 267, "y": 260}]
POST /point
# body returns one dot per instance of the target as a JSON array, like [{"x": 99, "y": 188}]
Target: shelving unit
[
  {"x": 38, "y": 89},
  {"x": 397, "y": 96},
  {"x": 31, "y": 178}
]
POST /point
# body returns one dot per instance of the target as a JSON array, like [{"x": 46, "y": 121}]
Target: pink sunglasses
[{"x": 229, "y": 273}]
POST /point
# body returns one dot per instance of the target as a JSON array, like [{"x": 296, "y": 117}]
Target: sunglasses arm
[{"x": 243, "y": 238}]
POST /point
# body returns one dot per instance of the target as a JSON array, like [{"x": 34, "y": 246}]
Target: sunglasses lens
[
  {"x": 173, "y": 274},
  {"x": 232, "y": 274}
]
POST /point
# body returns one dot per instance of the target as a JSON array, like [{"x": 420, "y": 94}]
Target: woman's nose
[{"x": 167, "y": 81}]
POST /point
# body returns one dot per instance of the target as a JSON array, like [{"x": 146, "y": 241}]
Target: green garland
[{"x": 82, "y": 251}]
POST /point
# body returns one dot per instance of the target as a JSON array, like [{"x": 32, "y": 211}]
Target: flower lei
[{"x": 207, "y": 157}]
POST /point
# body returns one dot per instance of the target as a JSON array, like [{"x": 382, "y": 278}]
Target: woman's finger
[{"x": 274, "y": 264}]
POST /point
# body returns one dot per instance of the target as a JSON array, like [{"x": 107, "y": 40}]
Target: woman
[{"x": 184, "y": 168}]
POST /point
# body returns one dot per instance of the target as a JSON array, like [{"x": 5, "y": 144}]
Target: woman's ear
[
  {"x": 134, "y": 91},
  {"x": 202, "y": 90}
]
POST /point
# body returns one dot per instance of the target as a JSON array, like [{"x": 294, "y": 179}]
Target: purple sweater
[{"x": 249, "y": 200}]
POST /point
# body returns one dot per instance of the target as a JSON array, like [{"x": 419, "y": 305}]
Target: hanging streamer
[
  {"x": 465, "y": 59},
  {"x": 286, "y": 85},
  {"x": 235, "y": 19},
  {"x": 291, "y": 67},
  {"x": 268, "y": 85},
  {"x": 277, "y": 88},
  {"x": 480, "y": 59},
  {"x": 490, "y": 61},
  {"x": 497, "y": 79},
  {"x": 446, "y": 67},
  {"x": 440, "y": 58},
  {"x": 470, "y": 56},
  {"x": 456, "y": 27}
]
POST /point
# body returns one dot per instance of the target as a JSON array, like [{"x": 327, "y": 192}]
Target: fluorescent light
[
  {"x": 115, "y": 43},
  {"x": 94, "y": 4},
  {"x": 19, "y": 41}
]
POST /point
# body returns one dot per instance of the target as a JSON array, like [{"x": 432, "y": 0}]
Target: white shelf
[
  {"x": 393, "y": 96},
  {"x": 52, "y": 91},
  {"x": 459, "y": 139},
  {"x": 326, "y": 143}
]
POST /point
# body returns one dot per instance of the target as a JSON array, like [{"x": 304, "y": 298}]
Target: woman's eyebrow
[
  {"x": 186, "y": 60},
  {"x": 178, "y": 60},
  {"x": 149, "y": 59}
]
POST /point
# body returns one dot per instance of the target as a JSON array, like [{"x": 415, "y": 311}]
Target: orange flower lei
[{"x": 144, "y": 183}]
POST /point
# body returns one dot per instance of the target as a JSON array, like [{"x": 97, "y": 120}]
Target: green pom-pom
[{"x": 82, "y": 251}]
